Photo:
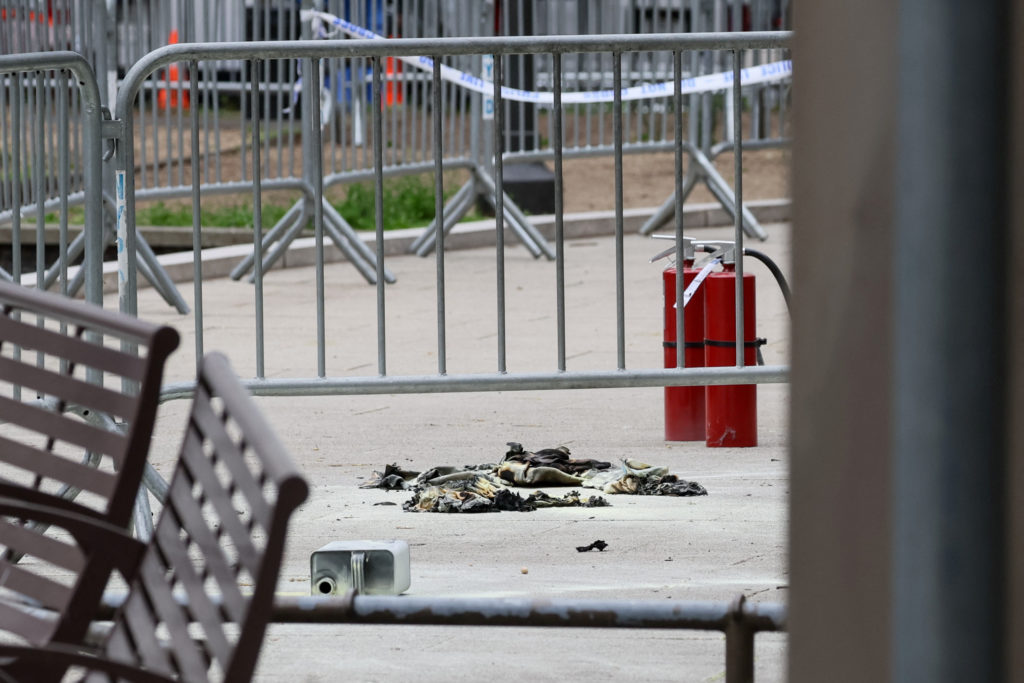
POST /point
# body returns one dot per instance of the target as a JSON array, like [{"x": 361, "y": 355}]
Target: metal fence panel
[
  {"x": 115, "y": 34},
  {"x": 50, "y": 146},
  {"x": 311, "y": 54}
]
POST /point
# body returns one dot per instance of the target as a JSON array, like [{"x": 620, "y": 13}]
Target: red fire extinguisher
[
  {"x": 684, "y": 406},
  {"x": 731, "y": 411}
]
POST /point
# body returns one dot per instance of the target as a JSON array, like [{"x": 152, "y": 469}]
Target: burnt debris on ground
[
  {"x": 485, "y": 487},
  {"x": 596, "y": 545}
]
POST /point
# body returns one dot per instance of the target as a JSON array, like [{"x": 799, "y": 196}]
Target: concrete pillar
[{"x": 844, "y": 165}]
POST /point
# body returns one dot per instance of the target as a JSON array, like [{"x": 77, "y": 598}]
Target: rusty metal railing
[{"x": 740, "y": 620}]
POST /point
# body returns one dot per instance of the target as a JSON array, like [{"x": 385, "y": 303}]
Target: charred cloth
[{"x": 485, "y": 488}]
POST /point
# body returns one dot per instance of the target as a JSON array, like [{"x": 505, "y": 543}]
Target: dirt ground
[{"x": 648, "y": 178}]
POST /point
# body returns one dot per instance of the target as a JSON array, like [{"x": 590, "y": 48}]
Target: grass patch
[
  {"x": 236, "y": 216},
  {"x": 408, "y": 203}
]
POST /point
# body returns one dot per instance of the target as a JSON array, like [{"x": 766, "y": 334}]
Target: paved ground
[{"x": 732, "y": 541}]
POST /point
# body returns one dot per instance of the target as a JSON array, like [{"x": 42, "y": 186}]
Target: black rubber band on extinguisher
[
  {"x": 756, "y": 343},
  {"x": 686, "y": 345},
  {"x": 760, "y": 341}
]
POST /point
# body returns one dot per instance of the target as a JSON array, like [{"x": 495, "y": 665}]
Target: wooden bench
[
  {"x": 76, "y": 418},
  {"x": 213, "y": 561}
]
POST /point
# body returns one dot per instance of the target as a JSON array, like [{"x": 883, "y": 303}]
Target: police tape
[{"x": 772, "y": 72}]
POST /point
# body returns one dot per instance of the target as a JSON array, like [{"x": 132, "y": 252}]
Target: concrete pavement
[{"x": 709, "y": 548}]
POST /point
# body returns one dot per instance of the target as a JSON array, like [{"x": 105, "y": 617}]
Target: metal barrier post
[{"x": 739, "y": 645}]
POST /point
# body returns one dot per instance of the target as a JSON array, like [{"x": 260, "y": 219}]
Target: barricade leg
[
  {"x": 282, "y": 227},
  {"x": 157, "y": 276},
  {"x": 280, "y": 245},
  {"x": 724, "y": 194},
  {"x": 527, "y": 233},
  {"x": 338, "y": 228},
  {"x": 666, "y": 212},
  {"x": 423, "y": 244},
  {"x": 452, "y": 215}
]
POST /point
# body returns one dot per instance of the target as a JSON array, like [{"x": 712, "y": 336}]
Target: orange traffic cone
[
  {"x": 393, "y": 91},
  {"x": 173, "y": 83}
]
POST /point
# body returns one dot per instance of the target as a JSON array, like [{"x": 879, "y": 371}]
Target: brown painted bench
[
  {"x": 213, "y": 561},
  {"x": 79, "y": 388}
]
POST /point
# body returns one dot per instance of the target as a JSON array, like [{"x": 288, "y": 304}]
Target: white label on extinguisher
[{"x": 696, "y": 282}]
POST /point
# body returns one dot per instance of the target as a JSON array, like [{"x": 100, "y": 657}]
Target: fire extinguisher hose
[{"x": 774, "y": 269}]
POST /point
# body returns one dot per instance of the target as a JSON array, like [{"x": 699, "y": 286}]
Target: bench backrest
[
  {"x": 217, "y": 547},
  {"x": 79, "y": 388}
]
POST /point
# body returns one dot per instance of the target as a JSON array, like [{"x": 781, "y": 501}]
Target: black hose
[{"x": 775, "y": 270}]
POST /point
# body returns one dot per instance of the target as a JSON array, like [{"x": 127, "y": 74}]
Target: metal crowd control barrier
[
  {"x": 114, "y": 34},
  {"x": 310, "y": 53},
  {"x": 51, "y": 141},
  {"x": 48, "y": 147},
  {"x": 710, "y": 125},
  {"x": 82, "y": 27}
]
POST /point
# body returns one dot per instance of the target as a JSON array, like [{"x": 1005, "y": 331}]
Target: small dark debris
[
  {"x": 512, "y": 502},
  {"x": 386, "y": 502},
  {"x": 598, "y": 545}
]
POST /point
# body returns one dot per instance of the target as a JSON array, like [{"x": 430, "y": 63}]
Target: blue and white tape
[{"x": 764, "y": 73}]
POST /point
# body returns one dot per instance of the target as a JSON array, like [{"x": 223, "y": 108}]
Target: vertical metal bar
[
  {"x": 257, "y": 218},
  {"x": 334, "y": 137},
  {"x": 179, "y": 86},
  {"x": 281, "y": 65},
  {"x": 40, "y": 176},
  {"x": 246, "y": 105},
  {"x": 17, "y": 171},
  {"x": 378, "y": 177},
  {"x": 345, "y": 66},
  {"x": 737, "y": 115},
  {"x": 63, "y": 182},
  {"x": 359, "y": 125},
  {"x": 739, "y": 652},
  {"x": 207, "y": 151},
  {"x": 6, "y": 175},
  {"x": 51, "y": 131},
  {"x": 648, "y": 65},
  {"x": 197, "y": 220},
  {"x": 415, "y": 99},
  {"x": 522, "y": 82},
  {"x": 93, "y": 177},
  {"x": 452, "y": 118},
  {"x": 620, "y": 295},
  {"x": 168, "y": 123},
  {"x": 556, "y": 75},
  {"x": 155, "y": 124},
  {"x": 439, "y": 215},
  {"x": 402, "y": 86},
  {"x": 476, "y": 111},
  {"x": 677, "y": 102},
  {"x": 313, "y": 163},
  {"x": 215, "y": 86},
  {"x": 499, "y": 206},
  {"x": 627, "y": 115},
  {"x": 125, "y": 198},
  {"x": 395, "y": 85}
]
